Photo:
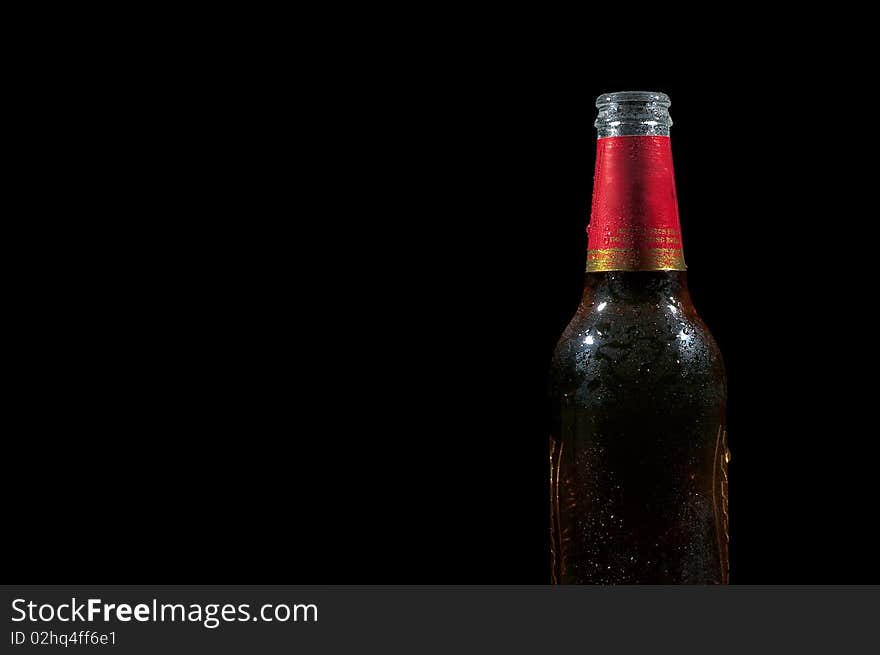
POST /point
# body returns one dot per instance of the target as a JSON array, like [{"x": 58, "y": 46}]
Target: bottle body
[{"x": 638, "y": 452}]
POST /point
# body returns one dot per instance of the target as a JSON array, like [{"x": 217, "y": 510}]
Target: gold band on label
[{"x": 630, "y": 259}]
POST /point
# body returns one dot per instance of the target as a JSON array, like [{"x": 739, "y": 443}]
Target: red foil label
[{"x": 634, "y": 222}]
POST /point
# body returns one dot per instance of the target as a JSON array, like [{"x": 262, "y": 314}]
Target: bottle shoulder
[
  {"x": 644, "y": 340},
  {"x": 670, "y": 322}
]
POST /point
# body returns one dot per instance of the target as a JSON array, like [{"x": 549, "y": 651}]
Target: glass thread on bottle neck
[{"x": 633, "y": 113}]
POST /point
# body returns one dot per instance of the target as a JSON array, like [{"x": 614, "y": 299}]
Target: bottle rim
[{"x": 618, "y": 97}]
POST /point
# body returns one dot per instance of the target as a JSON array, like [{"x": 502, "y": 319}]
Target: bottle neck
[
  {"x": 637, "y": 287},
  {"x": 634, "y": 223}
]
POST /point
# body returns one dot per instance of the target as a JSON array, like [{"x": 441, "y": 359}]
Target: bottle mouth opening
[{"x": 640, "y": 97}]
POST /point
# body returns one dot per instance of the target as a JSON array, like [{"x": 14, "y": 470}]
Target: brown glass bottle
[{"x": 638, "y": 450}]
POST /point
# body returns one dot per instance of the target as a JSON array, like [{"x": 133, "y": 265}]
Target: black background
[{"x": 287, "y": 315}]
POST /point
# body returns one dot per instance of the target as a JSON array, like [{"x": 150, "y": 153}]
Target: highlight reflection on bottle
[{"x": 638, "y": 448}]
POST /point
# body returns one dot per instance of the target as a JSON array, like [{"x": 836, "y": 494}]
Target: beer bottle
[{"x": 638, "y": 448}]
